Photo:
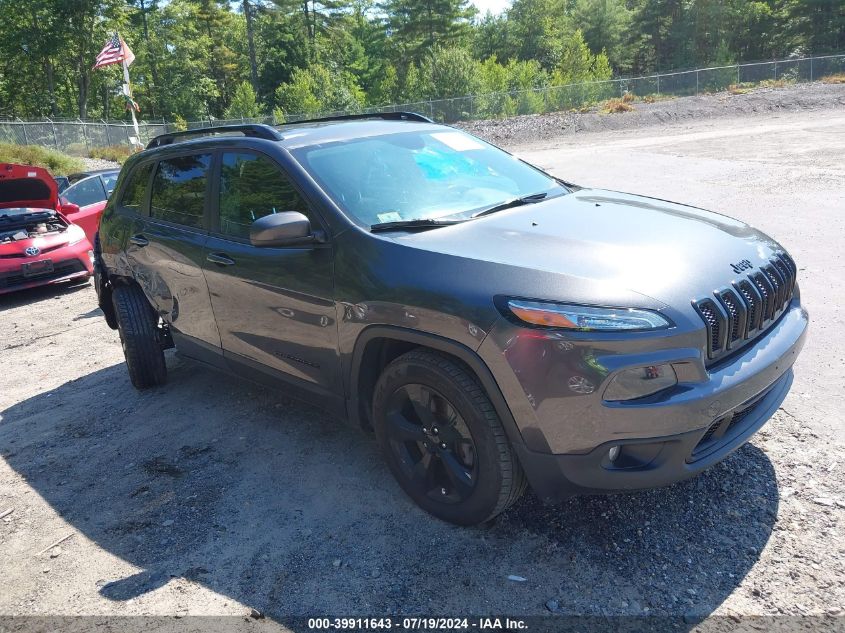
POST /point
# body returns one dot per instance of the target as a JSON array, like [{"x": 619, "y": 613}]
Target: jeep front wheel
[{"x": 442, "y": 439}]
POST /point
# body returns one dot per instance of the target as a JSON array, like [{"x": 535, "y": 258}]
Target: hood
[
  {"x": 27, "y": 186},
  {"x": 666, "y": 251}
]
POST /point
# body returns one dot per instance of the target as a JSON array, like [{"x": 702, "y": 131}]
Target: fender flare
[{"x": 463, "y": 353}]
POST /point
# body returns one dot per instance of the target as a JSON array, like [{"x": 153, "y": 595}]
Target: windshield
[{"x": 420, "y": 176}]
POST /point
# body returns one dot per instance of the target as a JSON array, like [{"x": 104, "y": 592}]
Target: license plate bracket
[{"x": 41, "y": 267}]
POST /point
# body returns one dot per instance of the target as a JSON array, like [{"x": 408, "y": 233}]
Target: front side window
[
  {"x": 135, "y": 190},
  {"x": 178, "y": 193},
  {"x": 421, "y": 176},
  {"x": 251, "y": 186},
  {"x": 85, "y": 192}
]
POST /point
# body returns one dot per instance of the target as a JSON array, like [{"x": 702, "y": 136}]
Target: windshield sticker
[
  {"x": 389, "y": 216},
  {"x": 457, "y": 141}
]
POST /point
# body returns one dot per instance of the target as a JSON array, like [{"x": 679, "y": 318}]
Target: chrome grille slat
[{"x": 740, "y": 312}]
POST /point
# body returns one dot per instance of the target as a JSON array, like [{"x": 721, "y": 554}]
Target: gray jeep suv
[{"x": 493, "y": 325}]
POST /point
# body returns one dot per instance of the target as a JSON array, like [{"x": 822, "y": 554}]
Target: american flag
[{"x": 114, "y": 52}]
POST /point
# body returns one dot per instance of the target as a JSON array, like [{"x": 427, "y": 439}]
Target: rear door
[
  {"x": 274, "y": 306},
  {"x": 166, "y": 251}
]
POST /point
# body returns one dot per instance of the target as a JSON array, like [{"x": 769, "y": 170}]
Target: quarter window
[
  {"x": 251, "y": 187},
  {"x": 178, "y": 193},
  {"x": 136, "y": 188}
]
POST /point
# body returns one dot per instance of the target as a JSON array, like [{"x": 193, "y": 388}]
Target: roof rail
[
  {"x": 255, "y": 130},
  {"x": 387, "y": 116}
]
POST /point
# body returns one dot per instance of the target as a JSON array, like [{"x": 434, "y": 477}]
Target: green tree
[
  {"x": 244, "y": 104},
  {"x": 318, "y": 89},
  {"x": 605, "y": 25},
  {"x": 417, "y": 25}
]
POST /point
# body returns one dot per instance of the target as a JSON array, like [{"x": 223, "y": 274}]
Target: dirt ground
[{"x": 211, "y": 496}]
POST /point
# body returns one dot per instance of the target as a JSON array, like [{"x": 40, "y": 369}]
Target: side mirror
[
  {"x": 287, "y": 228},
  {"x": 68, "y": 208}
]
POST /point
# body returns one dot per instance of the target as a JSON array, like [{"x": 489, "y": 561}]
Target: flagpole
[{"x": 128, "y": 92}]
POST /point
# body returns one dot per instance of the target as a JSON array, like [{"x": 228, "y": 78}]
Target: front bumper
[
  {"x": 69, "y": 263},
  {"x": 553, "y": 385}
]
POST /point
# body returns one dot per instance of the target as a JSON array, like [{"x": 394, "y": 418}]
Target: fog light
[
  {"x": 640, "y": 382},
  {"x": 613, "y": 453}
]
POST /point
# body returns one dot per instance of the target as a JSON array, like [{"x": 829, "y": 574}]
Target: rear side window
[
  {"x": 178, "y": 193},
  {"x": 85, "y": 192},
  {"x": 252, "y": 186},
  {"x": 136, "y": 188}
]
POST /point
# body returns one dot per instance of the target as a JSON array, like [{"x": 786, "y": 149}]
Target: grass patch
[
  {"x": 834, "y": 79},
  {"x": 55, "y": 162},
  {"x": 615, "y": 106},
  {"x": 654, "y": 98},
  {"x": 116, "y": 153},
  {"x": 740, "y": 89}
]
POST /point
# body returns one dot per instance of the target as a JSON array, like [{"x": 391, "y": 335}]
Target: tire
[
  {"x": 443, "y": 440},
  {"x": 137, "y": 325}
]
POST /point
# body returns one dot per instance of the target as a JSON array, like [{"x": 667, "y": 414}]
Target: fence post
[
  {"x": 811, "y": 69},
  {"x": 108, "y": 136},
  {"x": 55, "y": 137},
  {"x": 25, "y": 136},
  {"x": 84, "y": 134},
  {"x": 696, "y": 83},
  {"x": 776, "y": 70},
  {"x": 738, "y": 79},
  {"x": 658, "y": 85}
]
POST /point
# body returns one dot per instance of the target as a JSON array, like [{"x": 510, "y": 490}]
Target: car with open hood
[
  {"x": 39, "y": 244},
  {"x": 494, "y": 325}
]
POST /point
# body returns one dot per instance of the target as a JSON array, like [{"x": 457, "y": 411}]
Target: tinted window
[
  {"x": 178, "y": 193},
  {"x": 251, "y": 187},
  {"x": 136, "y": 188},
  {"x": 85, "y": 192}
]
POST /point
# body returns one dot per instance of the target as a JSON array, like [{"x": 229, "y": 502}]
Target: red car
[
  {"x": 39, "y": 245},
  {"x": 89, "y": 191}
]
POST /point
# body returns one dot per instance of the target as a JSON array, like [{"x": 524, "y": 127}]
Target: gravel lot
[{"x": 212, "y": 496}]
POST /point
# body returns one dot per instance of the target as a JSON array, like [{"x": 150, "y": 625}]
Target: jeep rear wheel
[
  {"x": 443, "y": 441},
  {"x": 137, "y": 325}
]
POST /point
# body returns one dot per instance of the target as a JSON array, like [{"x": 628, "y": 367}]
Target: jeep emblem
[{"x": 741, "y": 265}]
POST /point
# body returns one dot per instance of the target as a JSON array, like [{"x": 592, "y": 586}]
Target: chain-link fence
[{"x": 78, "y": 137}]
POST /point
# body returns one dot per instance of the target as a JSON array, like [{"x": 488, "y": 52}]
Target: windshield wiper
[
  {"x": 510, "y": 204},
  {"x": 412, "y": 224}
]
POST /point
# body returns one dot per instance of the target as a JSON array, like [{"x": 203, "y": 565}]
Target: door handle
[
  {"x": 220, "y": 259},
  {"x": 139, "y": 240}
]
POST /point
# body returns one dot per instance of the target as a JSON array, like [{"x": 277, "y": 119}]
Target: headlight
[
  {"x": 586, "y": 318},
  {"x": 75, "y": 234},
  {"x": 640, "y": 382}
]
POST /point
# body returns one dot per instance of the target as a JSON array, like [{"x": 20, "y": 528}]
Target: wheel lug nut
[
  {"x": 434, "y": 430},
  {"x": 425, "y": 444},
  {"x": 442, "y": 444},
  {"x": 442, "y": 491}
]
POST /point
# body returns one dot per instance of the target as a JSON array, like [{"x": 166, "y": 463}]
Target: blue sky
[{"x": 496, "y": 6}]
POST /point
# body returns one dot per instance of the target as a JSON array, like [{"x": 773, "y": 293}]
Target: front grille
[
  {"x": 738, "y": 313},
  {"x": 60, "y": 269}
]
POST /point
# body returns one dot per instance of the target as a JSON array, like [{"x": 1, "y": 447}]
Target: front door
[
  {"x": 167, "y": 250},
  {"x": 274, "y": 306}
]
